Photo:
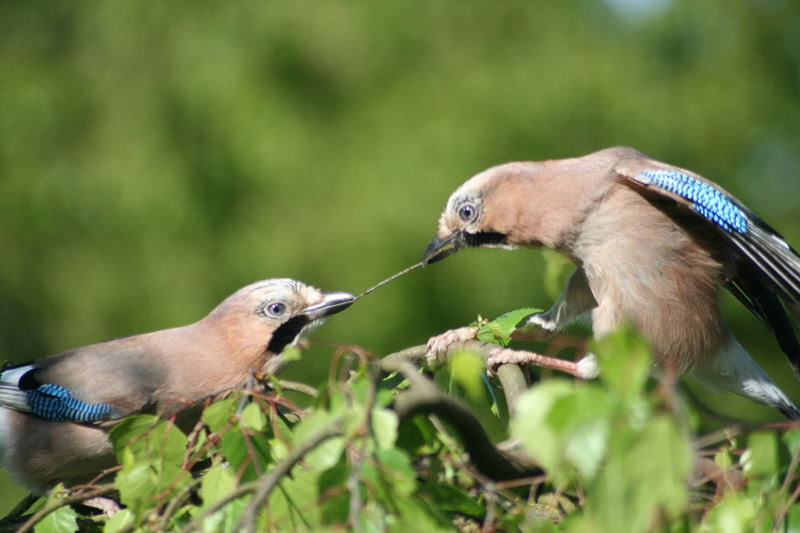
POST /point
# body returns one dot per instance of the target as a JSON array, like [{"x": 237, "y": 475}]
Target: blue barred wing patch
[
  {"x": 54, "y": 402},
  {"x": 703, "y": 198}
]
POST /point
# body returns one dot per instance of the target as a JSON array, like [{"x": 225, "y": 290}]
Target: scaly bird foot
[
  {"x": 585, "y": 368},
  {"x": 438, "y": 345}
]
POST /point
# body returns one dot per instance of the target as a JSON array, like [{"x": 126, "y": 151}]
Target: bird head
[
  {"x": 476, "y": 214},
  {"x": 281, "y": 310}
]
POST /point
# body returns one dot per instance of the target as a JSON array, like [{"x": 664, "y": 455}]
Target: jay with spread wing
[{"x": 653, "y": 245}]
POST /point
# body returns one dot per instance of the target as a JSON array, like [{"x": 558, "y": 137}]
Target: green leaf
[
  {"x": 293, "y": 504},
  {"x": 417, "y": 435},
  {"x": 384, "y": 397},
  {"x": 62, "y": 520},
  {"x": 390, "y": 476},
  {"x": 793, "y": 518},
  {"x": 624, "y": 357},
  {"x": 326, "y": 454},
  {"x": 467, "y": 369},
  {"x": 384, "y": 427},
  {"x": 452, "y": 498},
  {"x": 565, "y": 427},
  {"x": 219, "y": 414},
  {"x": 416, "y": 515},
  {"x": 136, "y": 482},
  {"x": 500, "y": 329},
  {"x": 129, "y": 431},
  {"x": 151, "y": 452},
  {"x": 216, "y": 483},
  {"x": 644, "y": 477},
  {"x": 360, "y": 390},
  {"x": 530, "y": 422},
  {"x": 582, "y": 422},
  {"x": 167, "y": 442},
  {"x": 334, "y": 494},
  {"x": 762, "y": 459},
  {"x": 291, "y": 353},
  {"x": 723, "y": 459},
  {"x": 253, "y": 417},
  {"x": 792, "y": 440},
  {"x": 120, "y": 521},
  {"x": 226, "y": 518},
  {"x": 250, "y": 450},
  {"x": 732, "y": 515}
]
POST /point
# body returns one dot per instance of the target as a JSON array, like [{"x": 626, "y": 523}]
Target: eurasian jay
[
  {"x": 52, "y": 410},
  {"x": 653, "y": 244}
]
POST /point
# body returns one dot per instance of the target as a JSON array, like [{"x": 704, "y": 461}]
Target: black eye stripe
[
  {"x": 485, "y": 237},
  {"x": 286, "y": 333}
]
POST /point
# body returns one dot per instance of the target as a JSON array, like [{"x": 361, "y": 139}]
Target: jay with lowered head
[
  {"x": 49, "y": 409},
  {"x": 653, "y": 245}
]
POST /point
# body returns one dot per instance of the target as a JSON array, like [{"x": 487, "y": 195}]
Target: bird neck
[{"x": 233, "y": 336}]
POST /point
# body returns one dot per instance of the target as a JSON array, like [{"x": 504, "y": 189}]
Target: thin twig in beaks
[{"x": 390, "y": 278}]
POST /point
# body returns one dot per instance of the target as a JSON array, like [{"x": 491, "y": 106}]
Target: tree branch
[
  {"x": 512, "y": 379},
  {"x": 296, "y": 386},
  {"x": 267, "y": 483},
  {"x": 424, "y": 397},
  {"x": 37, "y": 517}
]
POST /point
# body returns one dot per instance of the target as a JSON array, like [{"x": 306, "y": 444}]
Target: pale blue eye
[
  {"x": 276, "y": 308},
  {"x": 466, "y": 212}
]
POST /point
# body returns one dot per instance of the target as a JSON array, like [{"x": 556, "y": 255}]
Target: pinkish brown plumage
[
  {"x": 44, "y": 441},
  {"x": 653, "y": 245}
]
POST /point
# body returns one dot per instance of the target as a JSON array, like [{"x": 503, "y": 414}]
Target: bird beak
[
  {"x": 311, "y": 316},
  {"x": 332, "y": 302},
  {"x": 438, "y": 248}
]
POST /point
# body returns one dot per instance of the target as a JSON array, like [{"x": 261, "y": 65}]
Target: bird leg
[
  {"x": 584, "y": 368},
  {"x": 575, "y": 299},
  {"x": 438, "y": 345},
  {"x": 438, "y": 348},
  {"x": 105, "y": 505}
]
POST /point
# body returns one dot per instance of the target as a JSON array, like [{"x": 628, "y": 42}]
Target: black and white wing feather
[{"x": 767, "y": 279}]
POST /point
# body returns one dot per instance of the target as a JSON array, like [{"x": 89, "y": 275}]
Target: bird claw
[
  {"x": 439, "y": 344},
  {"x": 585, "y": 368},
  {"x": 106, "y": 505}
]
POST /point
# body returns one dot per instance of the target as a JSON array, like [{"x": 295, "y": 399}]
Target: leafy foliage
[
  {"x": 500, "y": 329},
  {"x": 165, "y": 150},
  {"x": 618, "y": 455}
]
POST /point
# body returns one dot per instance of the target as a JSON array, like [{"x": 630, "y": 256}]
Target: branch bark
[
  {"x": 512, "y": 378},
  {"x": 424, "y": 397},
  {"x": 81, "y": 496},
  {"x": 267, "y": 483}
]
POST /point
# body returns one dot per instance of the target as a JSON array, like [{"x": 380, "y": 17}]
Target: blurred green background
[{"x": 154, "y": 157}]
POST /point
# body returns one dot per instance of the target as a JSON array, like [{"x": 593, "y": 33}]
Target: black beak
[
  {"x": 438, "y": 248},
  {"x": 332, "y": 303}
]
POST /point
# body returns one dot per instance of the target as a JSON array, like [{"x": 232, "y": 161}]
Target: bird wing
[
  {"x": 768, "y": 272},
  {"x": 20, "y": 390}
]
